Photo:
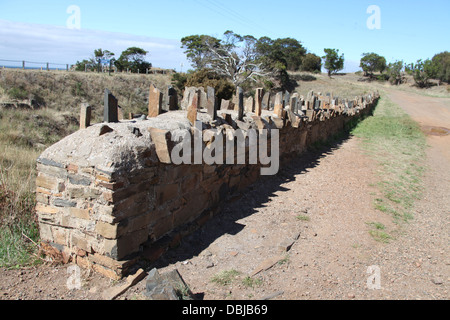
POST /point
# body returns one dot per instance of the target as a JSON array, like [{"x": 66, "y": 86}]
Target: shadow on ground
[{"x": 246, "y": 203}]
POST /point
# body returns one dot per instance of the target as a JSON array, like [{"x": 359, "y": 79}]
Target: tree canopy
[
  {"x": 371, "y": 62},
  {"x": 333, "y": 62},
  {"x": 133, "y": 59}
]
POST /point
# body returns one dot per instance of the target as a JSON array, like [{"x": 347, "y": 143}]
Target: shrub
[
  {"x": 18, "y": 93},
  {"x": 311, "y": 63},
  {"x": 442, "y": 62},
  {"x": 207, "y": 77}
]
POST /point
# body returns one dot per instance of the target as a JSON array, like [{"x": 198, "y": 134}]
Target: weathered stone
[
  {"x": 64, "y": 203},
  {"x": 259, "y": 95},
  {"x": 161, "y": 139},
  {"x": 294, "y": 104},
  {"x": 79, "y": 180},
  {"x": 114, "y": 292},
  {"x": 154, "y": 102},
  {"x": 107, "y": 230},
  {"x": 173, "y": 98},
  {"x": 49, "y": 162},
  {"x": 48, "y": 182},
  {"x": 240, "y": 95},
  {"x": 286, "y": 98},
  {"x": 279, "y": 105},
  {"x": 225, "y": 104},
  {"x": 40, "y": 208},
  {"x": 158, "y": 288},
  {"x": 193, "y": 109},
  {"x": 166, "y": 193},
  {"x": 212, "y": 103},
  {"x": 294, "y": 119},
  {"x": 85, "y": 115},
  {"x": 80, "y": 213},
  {"x": 266, "y": 101},
  {"x": 266, "y": 264},
  {"x": 110, "y": 108},
  {"x": 249, "y": 105},
  {"x": 104, "y": 130}
]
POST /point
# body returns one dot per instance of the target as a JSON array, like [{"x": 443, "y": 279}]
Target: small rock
[
  {"x": 437, "y": 281},
  {"x": 351, "y": 295}
]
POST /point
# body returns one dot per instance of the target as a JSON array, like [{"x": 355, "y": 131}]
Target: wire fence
[
  {"x": 32, "y": 65},
  {"x": 23, "y": 64}
]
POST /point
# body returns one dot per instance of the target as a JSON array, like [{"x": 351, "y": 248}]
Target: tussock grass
[
  {"x": 396, "y": 142},
  {"x": 225, "y": 277},
  {"x": 53, "y": 100}
]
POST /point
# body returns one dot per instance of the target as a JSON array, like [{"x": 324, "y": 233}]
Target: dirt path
[
  {"x": 331, "y": 257},
  {"x": 318, "y": 208}
]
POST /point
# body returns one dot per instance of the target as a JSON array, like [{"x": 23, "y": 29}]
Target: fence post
[
  {"x": 23, "y": 65},
  {"x": 48, "y": 69},
  {"x": 67, "y": 67}
]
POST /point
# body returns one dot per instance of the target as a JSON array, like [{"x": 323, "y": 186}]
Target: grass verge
[{"x": 397, "y": 144}]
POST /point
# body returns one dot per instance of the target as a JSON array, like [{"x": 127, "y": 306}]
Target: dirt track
[{"x": 331, "y": 248}]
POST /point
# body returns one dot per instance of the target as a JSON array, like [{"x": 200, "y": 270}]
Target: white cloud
[{"x": 35, "y": 42}]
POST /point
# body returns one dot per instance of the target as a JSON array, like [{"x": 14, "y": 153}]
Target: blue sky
[{"x": 37, "y": 30}]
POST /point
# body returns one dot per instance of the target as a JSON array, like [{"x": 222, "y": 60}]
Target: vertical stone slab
[
  {"x": 202, "y": 98},
  {"x": 240, "y": 95},
  {"x": 119, "y": 113},
  {"x": 212, "y": 103},
  {"x": 249, "y": 104},
  {"x": 110, "y": 113},
  {"x": 287, "y": 98},
  {"x": 193, "y": 108},
  {"x": 279, "y": 105},
  {"x": 266, "y": 101},
  {"x": 85, "y": 115},
  {"x": 173, "y": 98},
  {"x": 259, "y": 95},
  {"x": 294, "y": 104},
  {"x": 155, "y": 102},
  {"x": 225, "y": 104}
]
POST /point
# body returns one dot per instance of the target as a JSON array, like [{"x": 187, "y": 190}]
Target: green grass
[
  {"x": 303, "y": 218},
  {"x": 225, "y": 277},
  {"x": 17, "y": 221},
  {"x": 250, "y": 282},
  {"x": 397, "y": 144},
  {"x": 378, "y": 232}
]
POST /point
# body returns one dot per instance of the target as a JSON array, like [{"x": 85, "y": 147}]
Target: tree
[
  {"x": 311, "y": 63},
  {"x": 100, "y": 54},
  {"x": 287, "y": 52},
  {"x": 197, "y": 49},
  {"x": 292, "y": 51},
  {"x": 84, "y": 65},
  {"x": 236, "y": 58},
  {"x": 371, "y": 62},
  {"x": 333, "y": 62},
  {"x": 423, "y": 71},
  {"x": 133, "y": 59},
  {"x": 93, "y": 62},
  {"x": 394, "y": 71},
  {"x": 442, "y": 62}
]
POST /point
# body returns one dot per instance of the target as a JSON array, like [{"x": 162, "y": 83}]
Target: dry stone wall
[{"x": 110, "y": 193}]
